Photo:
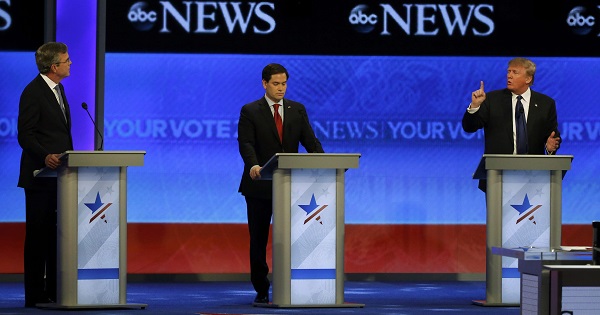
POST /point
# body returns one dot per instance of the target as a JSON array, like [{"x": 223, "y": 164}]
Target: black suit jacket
[
  {"x": 258, "y": 140},
  {"x": 42, "y": 130},
  {"x": 496, "y": 118}
]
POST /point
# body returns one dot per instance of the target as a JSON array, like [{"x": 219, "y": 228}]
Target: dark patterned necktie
[
  {"x": 521, "y": 127},
  {"x": 60, "y": 101},
  {"x": 278, "y": 121}
]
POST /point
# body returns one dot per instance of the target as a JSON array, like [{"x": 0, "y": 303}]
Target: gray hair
[{"x": 49, "y": 54}]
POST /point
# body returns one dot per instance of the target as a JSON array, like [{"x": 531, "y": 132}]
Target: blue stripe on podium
[
  {"x": 510, "y": 273},
  {"x": 93, "y": 274},
  {"x": 299, "y": 274}
]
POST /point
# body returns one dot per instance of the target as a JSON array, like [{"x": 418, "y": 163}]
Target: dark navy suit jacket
[
  {"x": 258, "y": 140},
  {"x": 42, "y": 130},
  {"x": 496, "y": 118}
]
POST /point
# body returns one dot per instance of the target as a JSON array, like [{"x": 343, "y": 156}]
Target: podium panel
[
  {"x": 92, "y": 229},
  {"x": 525, "y": 222},
  {"x": 98, "y": 235},
  {"x": 313, "y": 236},
  {"x": 524, "y": 209},
  {"x": 308, "y": 228}
]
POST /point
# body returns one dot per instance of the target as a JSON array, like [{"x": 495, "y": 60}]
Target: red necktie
[{"x": 278, "y": 121}]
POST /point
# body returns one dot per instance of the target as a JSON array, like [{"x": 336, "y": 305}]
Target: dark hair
[
  {"x": 271, "y": 69},
  {"x": 49, "y": 54}
]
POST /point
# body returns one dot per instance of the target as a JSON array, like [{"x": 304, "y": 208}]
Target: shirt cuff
[{"x": 472, "y": 110}]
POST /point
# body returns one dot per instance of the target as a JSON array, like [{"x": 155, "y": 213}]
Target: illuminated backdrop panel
[
  {"x": 401, "y": 113},
  {"x": 385, "y": 79}
]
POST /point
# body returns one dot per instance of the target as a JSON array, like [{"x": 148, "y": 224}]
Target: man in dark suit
[
  {"x": 44, "y": 132},
  {"x": 496, "y": 113},
  {"x": 267, "y": 126}
]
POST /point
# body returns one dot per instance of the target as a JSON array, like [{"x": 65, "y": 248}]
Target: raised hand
[{"x": 478, "y": 97}]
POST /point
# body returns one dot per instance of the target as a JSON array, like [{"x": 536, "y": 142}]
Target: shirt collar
[
  {"x": 270, "y": 102},
  {"x": 50, "y": 83},
  {"x": 526, "y": 95}
]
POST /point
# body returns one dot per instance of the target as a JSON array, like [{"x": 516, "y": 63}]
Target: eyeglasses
[{"x": 66, "y": 61}]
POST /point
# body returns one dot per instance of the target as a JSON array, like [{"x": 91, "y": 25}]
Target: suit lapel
[
  {"x": 48, "y": 94},
  {"x": 534, "y": 112},
  {"x": 268, "y": 116},
  {"x": 67, "y": 107},
  {"x": 286, "y": 116},
  {"x": 53, "y": 103},
  {"x": 509, "y": 113}
]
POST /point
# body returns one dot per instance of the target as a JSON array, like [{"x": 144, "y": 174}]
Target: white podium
[
  {"x": 92, "y": 229},
  {"x": 524, "y": 209},
  {"x": 308, "y": 228}
]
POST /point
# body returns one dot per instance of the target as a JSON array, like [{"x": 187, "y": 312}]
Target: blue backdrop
[{"x": 401, "y": 113}]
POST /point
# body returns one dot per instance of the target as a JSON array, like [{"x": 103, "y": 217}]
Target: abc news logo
[
  {"x": 430, "y": 19},
  {"x": 582, "y": 21},
  {"x": 204, "y": 17},
  {"x": 424, "y": 19}
]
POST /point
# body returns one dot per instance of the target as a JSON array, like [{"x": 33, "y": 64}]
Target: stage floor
[{"x": 227, "y": 297}]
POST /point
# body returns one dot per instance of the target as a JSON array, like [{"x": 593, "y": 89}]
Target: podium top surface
[
  {"x": 309, "y": 160},
  {"x": 522, "y": 162},
  {"x": 537, "y": 253},
  {"x": 103, "y": 158}
]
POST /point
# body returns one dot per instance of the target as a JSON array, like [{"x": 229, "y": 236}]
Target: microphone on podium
[
  {"x": 85, "y": 106},
  {"x": 305, "y": 117}
]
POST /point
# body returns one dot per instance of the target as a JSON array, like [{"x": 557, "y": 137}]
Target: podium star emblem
[
  {"x": 309, "y": 208},
  {"x": 95, "y": 206},
  {"x": 524, "y": 207}
]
